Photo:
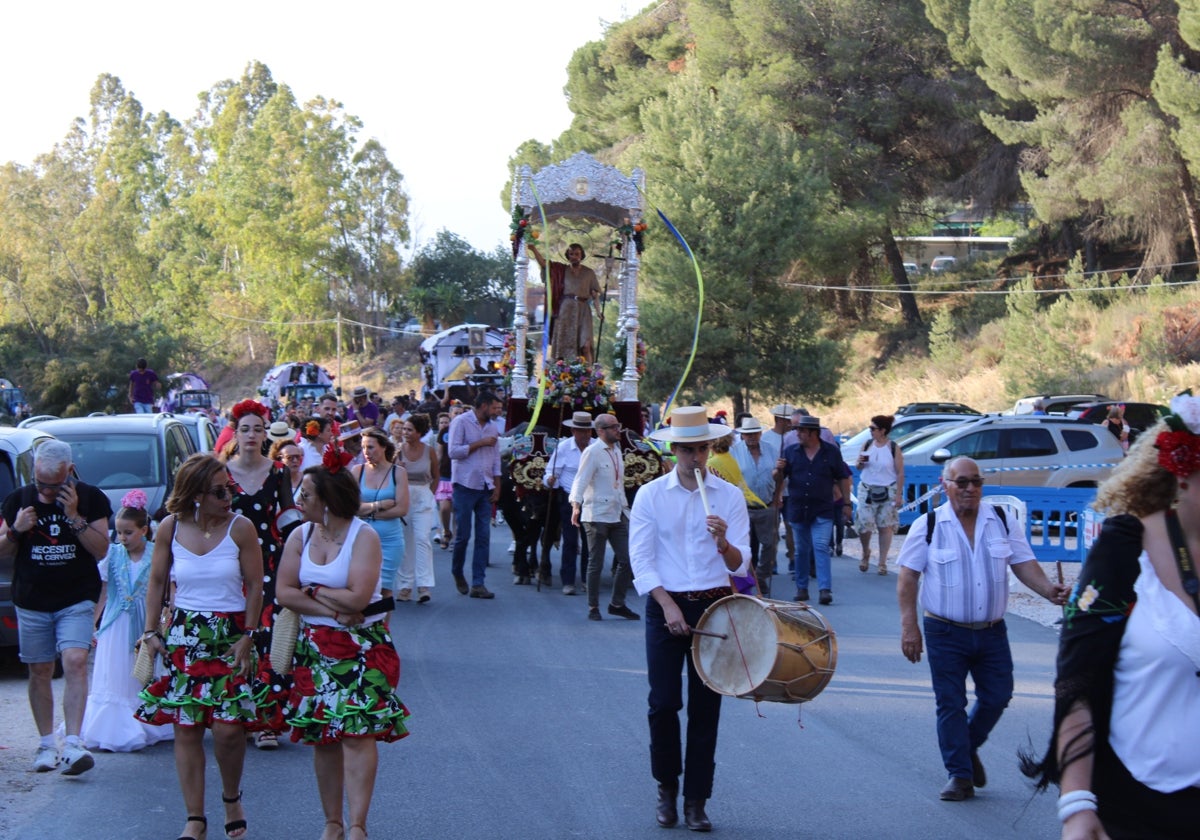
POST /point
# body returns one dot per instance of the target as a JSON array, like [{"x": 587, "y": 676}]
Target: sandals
[
  {"x": 234, "y": 825},
  {"x": 882, "y": 569},
  {"x": 341, "y": 828},
  {"x": 203, "y": 832},
  {"x": 265, "y": 740},
  {"x": 422, "y": 594},
  {"x": 404, "y": 595},
  {"x": 863, "y": 566},
  {"x": 361, "y": 828}
]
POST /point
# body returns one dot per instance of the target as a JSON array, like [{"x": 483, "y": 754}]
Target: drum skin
[{"x": 776, "y": 651}]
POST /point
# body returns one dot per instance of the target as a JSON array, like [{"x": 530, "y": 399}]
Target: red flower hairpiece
[
  {"x": 245, "y": 407},
  {"x": 1178, "y": 452},
  {"x": 334, "y": 458},
  {"x": 312, "y": 428}
]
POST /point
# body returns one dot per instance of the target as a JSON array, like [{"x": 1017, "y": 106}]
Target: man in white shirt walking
[
  {"x": 598, "y": 501},
  {"x": 965, "y": 557},
  {"x": 682, "y": 556}
]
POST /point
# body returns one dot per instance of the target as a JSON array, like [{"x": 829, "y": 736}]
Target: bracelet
[
  {"x": 311, "y": 591},
  {"x": 1072, "y": 803},
  {"x": 12, "y": 535},
  {"x": 78, "y": 525},
  {"x": 249, "y": 631},
  {"x": 150, "y": 634}
]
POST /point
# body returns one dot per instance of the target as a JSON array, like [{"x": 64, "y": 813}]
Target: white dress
[{"x": 108, "y": 722}]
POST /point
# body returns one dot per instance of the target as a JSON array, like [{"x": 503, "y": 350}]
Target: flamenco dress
[
  {"x": 344, "y": 679},
  {"x": 200, "y": 686},
  {"x": 108, "y": 722}
]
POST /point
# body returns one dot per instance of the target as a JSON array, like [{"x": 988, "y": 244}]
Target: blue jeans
[
  {"x": 570, "y": 541},
  {"x": 468, "y": 504},
  {"x": 812, "y": 537},
  {"x": 667, "y": 657},
  {"x": 954, "y": 652},
  {"x": 143, "y": 408}
]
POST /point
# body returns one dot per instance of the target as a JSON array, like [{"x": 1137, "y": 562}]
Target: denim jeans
[
  {"x": 666, "y": 658},
  {"x": 764, "y": 541},
  {"x": 472, "y": 504},
  {"x": 572, "y": 536},
  {"x": 953, "y": 653},
  {"x": 812, "y": 537},
  {"x": 617, "y": 535}
]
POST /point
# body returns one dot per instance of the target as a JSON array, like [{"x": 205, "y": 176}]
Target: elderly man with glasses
[
  {"x": 55, "y": 531},
  {"x": 965, "y": 554},
  {"x": 598, "y": 500}
]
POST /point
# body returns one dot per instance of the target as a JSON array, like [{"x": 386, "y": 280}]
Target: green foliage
[
  {"x": 945, "y": 348},
  {"x": 452, "y": 282},
  {"x": 1043, "y": 350}
]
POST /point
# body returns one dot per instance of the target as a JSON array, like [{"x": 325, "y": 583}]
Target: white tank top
[
  {"x": 880, "y": 470},
  {"x": 335, "y": 573},
  {"x": 209, "y": 582}
]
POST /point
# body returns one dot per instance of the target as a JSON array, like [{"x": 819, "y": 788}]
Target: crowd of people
[{"x": 261, "y": 526}]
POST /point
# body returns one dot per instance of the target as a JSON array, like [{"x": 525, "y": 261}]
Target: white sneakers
[
  {"x": 77, "y": 760},
  {"x": 45, "y": 760}
]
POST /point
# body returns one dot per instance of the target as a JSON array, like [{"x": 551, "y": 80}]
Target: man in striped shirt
[{"x": 965, "y": 558}]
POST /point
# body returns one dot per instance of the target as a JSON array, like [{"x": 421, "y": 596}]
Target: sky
[{"x": 449, "y": 88}]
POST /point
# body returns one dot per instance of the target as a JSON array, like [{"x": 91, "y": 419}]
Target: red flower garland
[
  {"x": 245, "y": 407},
  {"x": 1178, "y": 453}
]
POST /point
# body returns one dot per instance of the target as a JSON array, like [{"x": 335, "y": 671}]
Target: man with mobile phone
[{"x": 56, "y": 531}]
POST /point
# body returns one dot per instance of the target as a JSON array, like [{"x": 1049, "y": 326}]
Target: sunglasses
[
  {"x": 220, "y": 493},
  {"x": 964, "y": 483}
]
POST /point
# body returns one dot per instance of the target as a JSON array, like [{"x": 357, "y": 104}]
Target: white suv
[{"x": 1026, "y": 451}]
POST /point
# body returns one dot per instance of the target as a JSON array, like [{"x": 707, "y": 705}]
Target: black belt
[
  {"x": 577, "y": 297},
  {"x": 753, "y": 506},
  {"x": 703, "y": 594},
  {"x": 971, "y": 625}
]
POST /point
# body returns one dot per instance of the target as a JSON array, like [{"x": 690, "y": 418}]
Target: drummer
[{"x": 685, "y": 540}]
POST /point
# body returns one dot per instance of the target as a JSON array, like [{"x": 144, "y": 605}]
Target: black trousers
[{"x": 667, "y": 657}]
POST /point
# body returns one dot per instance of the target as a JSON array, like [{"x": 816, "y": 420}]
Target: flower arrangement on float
[
  {"x": 520, "y": 228},
  {"x": 620, "y": 350},
  {"x": 630, "y": 230},
  {"x": 577, "y": 385},
  {"x": 508, "y": 357}
]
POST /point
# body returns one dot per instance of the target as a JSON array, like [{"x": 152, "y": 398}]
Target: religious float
[
  {"x": 294, "y": 381},
  {"x": 188, "y": 392},
  {"x": 462, "y": 357}
]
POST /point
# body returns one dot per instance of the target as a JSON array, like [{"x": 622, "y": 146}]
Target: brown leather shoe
[
  {"x": 460, "y": 583},
  {"x": 482, "y": 592},
  {"x": 978, "y": 774},
  {"x": 665, "y": 812},
  {"x": 694, "y": 816},
  {"x": 956, "y": 790}
]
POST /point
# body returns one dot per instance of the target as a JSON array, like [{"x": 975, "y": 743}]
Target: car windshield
[{"x": 114, "y": 461}]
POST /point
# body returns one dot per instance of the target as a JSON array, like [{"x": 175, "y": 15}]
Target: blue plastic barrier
[{"x": 1053, "y": 526}]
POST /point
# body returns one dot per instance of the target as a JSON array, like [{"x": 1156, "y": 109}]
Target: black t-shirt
[{"x": 52, "y": 570}]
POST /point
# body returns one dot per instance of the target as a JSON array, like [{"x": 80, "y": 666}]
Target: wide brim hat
[
  {"x": 280, "y": 430},
  {"x": 349, "y": 429},
  {"x": 783, "y": 410},
  {"x": 750, "y": 426},
  {"x": 689, "y": 424},
  {"x": 579, "y": 420},
  {"x": 808, "y": 422},
  {"x": 360, "y": 391}
]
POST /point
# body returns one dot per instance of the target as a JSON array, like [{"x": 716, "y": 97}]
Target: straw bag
[
  {"x": 143, "y": 663},
  {"x": 284, "y": 631}
]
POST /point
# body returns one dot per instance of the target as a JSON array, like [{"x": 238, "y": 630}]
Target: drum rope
[{"x": 742, "y": 653}]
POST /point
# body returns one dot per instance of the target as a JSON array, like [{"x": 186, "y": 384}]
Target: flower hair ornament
[
  {"x": 134, "y": 500},
  {"x": 245, "y": 407},
  {"x": 1179, "y": 448},
  {"x": 312, "y": 428},
  {"x": 334, "y": 458}
]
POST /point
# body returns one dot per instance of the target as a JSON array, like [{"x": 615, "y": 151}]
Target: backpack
[
  {"x": 930, "y": 521},
  {"x": 891, "y": 445}
]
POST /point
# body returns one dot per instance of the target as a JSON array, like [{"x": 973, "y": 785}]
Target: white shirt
[
  {"x": 880, "y": 470},
  {"x": 563, "y": 464},
  {"x": 669, "y": 543},
  {"x": 599, "y": 485},
  {"x": 312, "y": 455},
  {"x": 758, "y": 474},
  {"x": 960, "y": 583},
  {"x": 1156, "y": 693}
]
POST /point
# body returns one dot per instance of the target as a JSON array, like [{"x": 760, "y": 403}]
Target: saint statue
[{"x": 573, "y": 290}]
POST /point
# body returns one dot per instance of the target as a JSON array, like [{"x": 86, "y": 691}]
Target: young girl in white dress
[{"x": 108, "y": 722}]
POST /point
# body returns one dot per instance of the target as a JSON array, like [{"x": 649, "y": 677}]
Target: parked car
[
  {"x": 912, "y": 269},
  {"x": 903, "y": 427},
  {"x": 941, "y": 264},
  {"x": 936, "y": 408},
  {"x": 1053, "y": 403},
  {"x": 16, "y": 469},
  {"x": 201, "y": 430},
  {"x": 1140, "y": 416},
  {"x": 121, "y": 452},
  {"x": 1027, "y": 451}
]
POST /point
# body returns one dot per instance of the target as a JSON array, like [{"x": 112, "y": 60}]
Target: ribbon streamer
[
  {"x": 687, "y": 368},
  {"x": 541, "y": 391}
]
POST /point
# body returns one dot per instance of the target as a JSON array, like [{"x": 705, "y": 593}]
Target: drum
[{"x": 764, "y": 650}]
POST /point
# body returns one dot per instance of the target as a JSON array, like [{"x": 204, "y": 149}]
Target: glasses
[
  {"x": 873, "y": 428},
  {"x": 699, "y": 448},
  {"x": 964, "y": 483},
  {"x": 220, "y": 493}
]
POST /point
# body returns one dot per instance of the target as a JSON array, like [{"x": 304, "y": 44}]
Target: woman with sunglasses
[
  {"x": 288, "y": 453},
  {"x": 214, "y": 557},
  {"x": 880, "y": 491},
  {"x": 262, "y": 492}
]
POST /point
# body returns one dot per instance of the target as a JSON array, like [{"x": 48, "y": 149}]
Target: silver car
[{"x": 1026, "y": 451}]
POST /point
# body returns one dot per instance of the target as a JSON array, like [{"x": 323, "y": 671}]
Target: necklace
[{"x": 328, "y": 537}]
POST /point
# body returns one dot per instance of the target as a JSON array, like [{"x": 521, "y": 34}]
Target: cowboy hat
[
  {"x": 360, "y": 391},
  {"x": 579, "y": 420},
  {"x": 280, "y": 430},
  {"x": 689, "y": 424},
  {"x": 750, "y": 426},
  {"x": 808, "y": 422}
]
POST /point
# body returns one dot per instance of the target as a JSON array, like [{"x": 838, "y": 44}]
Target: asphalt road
[{"x": 529, "y": 722}]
